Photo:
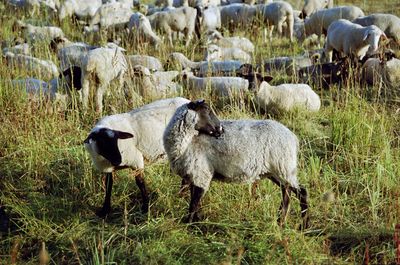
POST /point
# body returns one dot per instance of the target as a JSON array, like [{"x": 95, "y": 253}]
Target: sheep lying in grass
[
  {"x": 390, "y": 24},
  {"x": 129, "y": 139},
  {"x": 200, "y": 148},
  {"x": 216, "y": 38},
  {"x": 215, "y": 53},
  {"x": 352, "y": 39},
  {"x": 99, "y": 68},
  {"x": 34, "y": 33},
  {"x": 80, "y": 8},
  {"x": 44, "y": 68},
  {"x": 287, "y": 96}
]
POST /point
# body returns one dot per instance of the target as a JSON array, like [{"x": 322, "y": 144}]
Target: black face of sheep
[
  {"x": 107, "y": 143},
  {"x": 207, "y": 123},
  {"x": 325, "y": 74}
]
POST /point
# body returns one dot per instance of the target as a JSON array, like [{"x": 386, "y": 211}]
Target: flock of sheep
[{"x": 198, "y": 145}]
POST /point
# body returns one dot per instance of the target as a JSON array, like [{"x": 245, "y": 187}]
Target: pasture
[{"x": 349, "y": 163}]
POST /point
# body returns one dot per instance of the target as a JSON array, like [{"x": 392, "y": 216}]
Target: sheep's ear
[
  {"x": 194, "y": 104},
  {"x": 191, "y": 105},
  {"x": 267, "y": 78},
  {"x": 122, "y": 135},
  {"x": 366, "y": 34}
]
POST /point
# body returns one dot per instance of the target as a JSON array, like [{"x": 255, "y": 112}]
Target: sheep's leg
[
  {"x": 99, "y": 98},
  {"x": 106, "y": 209},
  {"x": 284, "y": 205},
  {"x": 301, "y": 194},
  {"x": 142, "y": 187},
  {"x": 185, "y": 185},
  {"x": 196, "y": 195},
  {"x": 4, "y": 220},
  {"x": 85, "y": 93}
]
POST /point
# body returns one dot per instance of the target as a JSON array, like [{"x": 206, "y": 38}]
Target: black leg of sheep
[
  {"x": 142, "y": 187},
  {"x": 4, "y": 220},
  {"x": 106, "y": 209},
  {"x": 196, "y": 193}
]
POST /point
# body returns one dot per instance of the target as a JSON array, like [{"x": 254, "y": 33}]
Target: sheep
[
  {"x": 149, "y": 62},
  {"x": 156, "y": 85},
  {"x": 179, "y": 60},
  {"x": 208, "y": 19},
  {"x": 379, "y": 72},
  {"x": 223, "y": 87},
  {"x": 201, "y": 148},
  {"x": 319, "y": 22},
  {"x": 139, "y": 26},
  {"x": 215, "y": 53},
  {"x": 80, "y": 8},
  {"x": 311, "y": 6},
  {"x": 237, "y": 15},
  {"x": 179, "y": 20},
  {"x": 390, "y": 24},
  {"x": 99, "y": 67},
  {"x": 288, "y": 64},
  {"x": 352, "y": 39},
  {"x": 216, "y": 38},
  {"x": 23, "y": 48},
  {"x": 34, "y": 5},
  {"x": 114, "y": 15},
  {"x": 34, "y": 33},
  {"x": 285, "y": 97},
  {"x": 324, "y": 74},
  {"x": 127, "y": 140},
  {"x": 277, "y": 13},
  {"x": 45, "y": 68}
]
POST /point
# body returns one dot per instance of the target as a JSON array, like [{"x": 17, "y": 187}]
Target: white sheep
[
  {"x": 276, "y": 14},
  {"x": 155, "y": 85},
  {"x": 319, "y": 22},
  {"x": 129, "y": 139},
  {"x": 208, "y": 19},
  {"x": 380, "y": 72},
  {"x": 352, "y": 39},
  {"x": 287, "y": 96},
  {"x": 215, "y": 53},
  {"x": 237, "y": 15},
  {"x": 44, "y": 68},
  {"x": 390, "y": 24},
  {"x": 99, "y": 67},
  {"x": 139, "y": 26},
  {"x": 200, "y": 149},
  {"x": 35, "y": 33},
  {"x": 243, "y": 43},
  {"x": 23, "y": 48},
  {"x": 288, "y": 64},
  {"x": 147, "y": 61},
  {"x": 311, "y": 6},
  {"x": 178, "y": 20},
  {"x": 80, "y": 8}
]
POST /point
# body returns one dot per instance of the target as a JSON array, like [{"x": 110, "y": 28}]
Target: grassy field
[{"x": 349, "y": 162}]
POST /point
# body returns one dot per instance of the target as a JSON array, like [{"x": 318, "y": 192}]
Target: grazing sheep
[
  {"x": 99, "y": 67},
  {"x": 319, "y": 22},
  {"x": 215, "y": 53},
  {"x": 156, "y": 85},
  {"x": 149, "y": 62},
  {"x": 390, "y": 24},
  {"x": 216, "y": 38},
  {"x": 200, "y": 149},
  {"x": 287, "y": 96},
  {"x": 181, "y": 19},
  {"x": 80, "y": 8},
  {"x": 129, "y": 139},
  {"x": 311, "y": 6},
  {"x": 276, "y": 14},
  {"x": 139, "y": 26},
  {"x": 208, "y": 19},
  {"x": 352, "y": 39},
  {"x": 44, "y": 68},
  {"x": 34, "y": 33},
  {"x": 324, "y": 74}
]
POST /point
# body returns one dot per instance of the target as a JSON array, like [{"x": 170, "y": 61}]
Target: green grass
[{"x": 349, "y": 162}]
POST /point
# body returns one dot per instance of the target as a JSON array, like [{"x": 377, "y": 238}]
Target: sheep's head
[
  {"x": 206, "y": 122},
  {"x": 372, "y": 36},
  {"x": 106, "y": 141},
  {"x": 310, "y": 6}
]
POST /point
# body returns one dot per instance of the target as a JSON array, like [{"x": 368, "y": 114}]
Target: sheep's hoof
[
  {"x": 192, "y": 218},
  {"x": 145, "y": 208},
  {"x": 103, "y": 212}
]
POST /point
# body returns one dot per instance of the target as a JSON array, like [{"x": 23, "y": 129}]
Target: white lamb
[
  {"x": 215, "y": 53},
  {"x": 129, "y": 139},
  {"x": 208, "y": 19},
  {"x": 390, "y": 24},
  {"x": 216, "y": 38},
  {"x": 147, "y": 61},
  {"x": 139, "y": 26},
  {"x": 99, "y": 67},
  {"x": 34, "y": 33},
  {"x": 352, "y": 39},
  {"x": 200, "y": 149},
  {"x": 287, "y": 96},
  {"x": 80, "y": 8}
]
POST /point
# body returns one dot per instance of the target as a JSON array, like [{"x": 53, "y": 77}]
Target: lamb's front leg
[
  {"x": 139, "y": 177},
  {"x": 196, "y": 195},
  {"x": 106, "y": 209}
]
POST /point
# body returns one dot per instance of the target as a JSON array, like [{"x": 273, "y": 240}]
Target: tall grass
[{"x": 348, "y": 162}]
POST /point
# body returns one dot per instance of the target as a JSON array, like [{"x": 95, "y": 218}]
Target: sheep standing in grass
[
  {"x": 200, "y": 148},
  {"x": 390, "y": 24},
  {"x": 311, "y": 6},
  {"x": 287, "y": 96},
  {"x": 352, "y": 39},
  {"x": 80, "y": 8},
  {"x": 99, "y": 67},
  {"x": 129, "y": 139},
  {"x": 139, "y": 26}
]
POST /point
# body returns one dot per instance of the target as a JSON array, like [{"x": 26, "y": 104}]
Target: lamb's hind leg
[
  {"x": 106, "y": 209},
  {"x": 301, "y": 194},
  {"x": 139, "y": 177},
  {"x": 283, "y": 209}
]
